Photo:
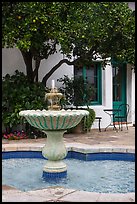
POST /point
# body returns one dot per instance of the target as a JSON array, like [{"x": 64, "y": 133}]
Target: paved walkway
[{"x": 93, "y": 139}]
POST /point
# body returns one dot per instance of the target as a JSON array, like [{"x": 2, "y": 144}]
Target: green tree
[{"x": 84, "y": 31}]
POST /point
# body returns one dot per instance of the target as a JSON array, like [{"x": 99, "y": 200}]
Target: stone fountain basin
[{"x": 53, "y": 120}]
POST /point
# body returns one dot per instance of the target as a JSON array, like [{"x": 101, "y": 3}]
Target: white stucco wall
[
  {"x": 133, "y": 98},
  {"x": 12, "y": 60},
  {"x": 131, "y": 93},
  {"x": 46, "y": 65},
  {"x": 131, "y": 5}
]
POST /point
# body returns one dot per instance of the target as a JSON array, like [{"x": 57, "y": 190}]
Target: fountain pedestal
[{"x": 55, "y": 151}]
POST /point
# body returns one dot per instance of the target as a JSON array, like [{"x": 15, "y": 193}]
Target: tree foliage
[{"x": 84, "y": 31}]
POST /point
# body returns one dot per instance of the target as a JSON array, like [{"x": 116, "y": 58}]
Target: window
[{"x": 92, "y": 75}]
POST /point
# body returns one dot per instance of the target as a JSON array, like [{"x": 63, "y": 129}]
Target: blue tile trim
[
  {"x": 78, "y": 155},
  {"x": 22, "y": 154},
  {"x": 56, "y": 175},
  {"x": 73, "y": 154},
  {"x": 69, "y": 155},
  {"x": 111, "y": 156}
]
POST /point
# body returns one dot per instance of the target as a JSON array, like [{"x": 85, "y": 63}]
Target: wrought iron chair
[{"x": 122, "y": 117}]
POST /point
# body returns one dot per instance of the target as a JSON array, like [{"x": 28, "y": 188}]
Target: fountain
[{"x": 54, "y": 122}]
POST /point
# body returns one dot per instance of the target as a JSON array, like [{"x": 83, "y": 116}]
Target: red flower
[{"x": 17, "y": 135}]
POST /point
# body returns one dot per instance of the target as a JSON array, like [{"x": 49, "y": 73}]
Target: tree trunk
[
  {"x": 28, "y": 61},
  {"x": 35, "y": 72},
  {"x": 46, "y": 77}
]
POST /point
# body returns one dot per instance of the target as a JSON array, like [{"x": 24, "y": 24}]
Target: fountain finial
[{"x": 54, "y": 99}]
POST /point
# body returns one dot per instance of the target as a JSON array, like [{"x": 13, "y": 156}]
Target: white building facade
[{"x": 13, "y": 60}]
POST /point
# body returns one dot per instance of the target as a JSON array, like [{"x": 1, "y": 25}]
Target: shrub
[
  {"x": 19, "y": 94},
  {"x": 77, "y": 92},
  {"x": 88, "y": 120}
]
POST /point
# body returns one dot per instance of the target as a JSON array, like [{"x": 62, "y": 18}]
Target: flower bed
[{"x": 16, "y": 135}]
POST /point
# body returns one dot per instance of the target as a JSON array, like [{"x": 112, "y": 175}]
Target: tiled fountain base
[
  {"x": 59, "y": 194},
  {"x": 55, "y": 175}
]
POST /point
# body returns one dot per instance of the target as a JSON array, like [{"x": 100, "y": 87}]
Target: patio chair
[{"x": 122, "y": 117}]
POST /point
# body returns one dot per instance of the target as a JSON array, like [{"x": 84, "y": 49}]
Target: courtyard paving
[{"x": 110, "y": 139}]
